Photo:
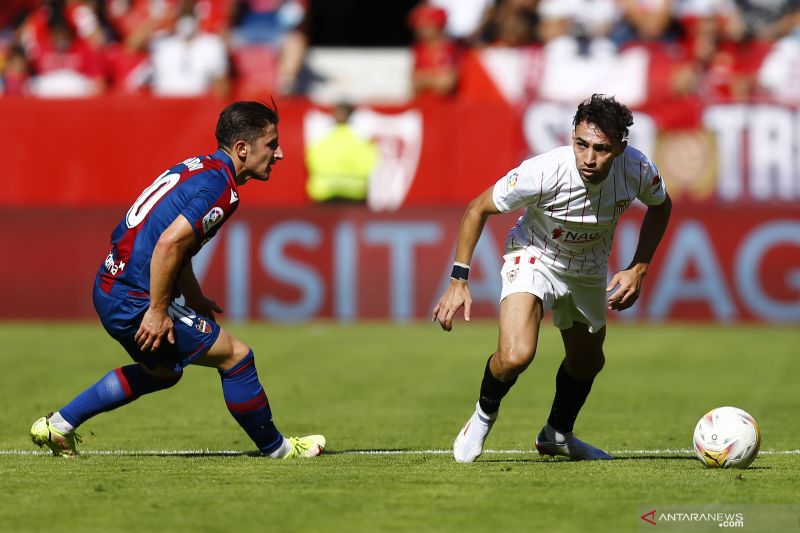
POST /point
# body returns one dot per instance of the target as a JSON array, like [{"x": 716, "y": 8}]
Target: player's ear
[{"x": 240, "y": 148}]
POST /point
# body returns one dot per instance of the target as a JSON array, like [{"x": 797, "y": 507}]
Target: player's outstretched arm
[
  {"x": 165, "y": 264},
  {"x": 457, "y": 294},
  {"x": 628, "y": 283}
]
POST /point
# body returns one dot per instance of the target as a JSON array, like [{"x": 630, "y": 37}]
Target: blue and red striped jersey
[{"x": 202, "y": 189}]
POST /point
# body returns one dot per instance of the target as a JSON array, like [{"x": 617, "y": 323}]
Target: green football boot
[
  {"x": 310, "y": 446},
  {"x": 43, "y": 433}
]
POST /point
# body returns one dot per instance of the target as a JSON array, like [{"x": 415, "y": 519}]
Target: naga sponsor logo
[
  {"x": 112, "y": 266},
  {"x": 212, "y": 218},
  {"x": 577, "y": 237}
]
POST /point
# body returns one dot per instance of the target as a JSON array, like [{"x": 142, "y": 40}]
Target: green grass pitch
[{"x": 378, "y": 386}]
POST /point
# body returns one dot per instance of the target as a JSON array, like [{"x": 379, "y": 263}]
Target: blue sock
[
  {"x": 247, "y": 402},
  {"x": 115, "y": 389}
]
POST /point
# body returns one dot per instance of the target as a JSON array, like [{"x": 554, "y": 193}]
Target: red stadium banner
[
  {"x": 718, "y": 263},
  {"x": 103, "y": 152}
]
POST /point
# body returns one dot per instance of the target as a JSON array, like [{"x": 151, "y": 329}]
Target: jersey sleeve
[
  {"x": 522, "y": 186},
  {"x": 652, "y": 190},
  {"x": 205, "y": 210}
]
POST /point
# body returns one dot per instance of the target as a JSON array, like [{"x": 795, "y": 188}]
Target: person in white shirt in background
[{"x": 189, "y": 62}]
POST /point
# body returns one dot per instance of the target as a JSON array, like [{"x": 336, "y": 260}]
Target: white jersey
[{"x": 568, "y": 223}]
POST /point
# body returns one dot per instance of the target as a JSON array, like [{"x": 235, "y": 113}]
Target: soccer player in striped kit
[
  {"x": 556, "y": 259},
  {"x": 149, "y": 266}
]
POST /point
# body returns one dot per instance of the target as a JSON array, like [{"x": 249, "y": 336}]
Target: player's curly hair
[
  {"x": 246, "y": 121},
  {"x": 611, "y": 117}
]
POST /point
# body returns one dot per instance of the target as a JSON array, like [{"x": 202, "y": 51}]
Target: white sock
[
  {"x": 483, "y": 415},
  {"x": 282, "y": 451},
  {"x": 60, "y": 424}
]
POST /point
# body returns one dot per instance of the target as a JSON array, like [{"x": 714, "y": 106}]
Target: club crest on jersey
[
  {"x": 511, "y": 181},
  {"x": 202, "y": 326},
  {"x": 621, "y": 206},
  {"x": 212, "y": 218},
  {"x": 655, "y": 185},
  {"x": 511, "y": 275}
]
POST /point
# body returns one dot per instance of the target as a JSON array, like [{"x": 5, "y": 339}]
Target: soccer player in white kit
[{"x": 557, "y": 259}]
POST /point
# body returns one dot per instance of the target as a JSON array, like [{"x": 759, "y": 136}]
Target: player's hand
[
  {"x": 626, "y": 286},
  {"x": 155, "y": 327},
  {"x": 204, "y": 306},
  {"x": 456, "y": 296}
]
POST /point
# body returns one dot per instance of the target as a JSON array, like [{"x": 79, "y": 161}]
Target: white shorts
[{"x": 571, "y": 298}]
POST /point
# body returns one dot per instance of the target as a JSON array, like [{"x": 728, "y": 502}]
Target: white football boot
[
  {"x": 468, "y": 445},
  {"x": 551, "y": 442}
]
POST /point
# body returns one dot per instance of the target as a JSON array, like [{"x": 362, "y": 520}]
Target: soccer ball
[{"x": 727, "y": 437}]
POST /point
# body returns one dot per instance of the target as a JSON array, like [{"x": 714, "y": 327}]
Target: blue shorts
[{"x": 194, "y": 334}]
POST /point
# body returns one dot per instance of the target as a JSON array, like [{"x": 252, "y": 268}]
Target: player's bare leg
[
  {"x": 583, "y": 361},
  {"x": 520, "y": 316},
  {"x": 247, "y": 401}
]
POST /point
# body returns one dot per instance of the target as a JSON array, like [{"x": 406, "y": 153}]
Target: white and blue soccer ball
[{"x": 727, "y": 437}]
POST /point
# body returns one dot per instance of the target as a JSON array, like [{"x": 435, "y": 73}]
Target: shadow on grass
[{"x": 556, "y": 460}]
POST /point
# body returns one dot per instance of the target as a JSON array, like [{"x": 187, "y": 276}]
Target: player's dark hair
[
  {"x": 611, "y": 117},
  {"x": 246, "y": 121}
]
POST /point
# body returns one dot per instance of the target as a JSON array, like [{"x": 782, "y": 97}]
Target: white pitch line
[{"x": 235, "y": 453}]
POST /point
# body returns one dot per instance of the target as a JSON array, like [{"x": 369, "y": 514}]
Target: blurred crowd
[
  {"x": 732, "y": 49},
  {"x": 712, "y": 49},
  {"x": 163, "y": 47}
]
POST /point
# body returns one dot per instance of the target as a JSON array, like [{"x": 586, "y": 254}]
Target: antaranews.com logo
[
  {"x": 721, "y": 519},
  {"x": 716, "y": 517}
]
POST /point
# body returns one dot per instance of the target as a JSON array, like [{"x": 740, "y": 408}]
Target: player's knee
[
  {"x": 586, "y": 366},
  {"x": 226, "y": 352},
  {"x": 170, "y": 377},
  {"x": 239, "y": 350},
  {"x": 514, "y": 361}
]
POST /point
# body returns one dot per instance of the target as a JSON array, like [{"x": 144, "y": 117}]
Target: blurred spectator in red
[
  {"x": 16, "y": 72},
  {"x": 510, "y": 23},
  {"x": 139, "y": 23},
  {"x": 281, "y": 26},
  {"x": 66, "y": 65},
  {"x": 436, "y": 56},
  {"x": 12, "y": 14},
  {"x": 713, "y": 62},
  {"x": 779, "y": 74},
  {"x": 79, "y": 15},
  {"x": 136, "y": 23},
  {"x": 189, "y": 61}
]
